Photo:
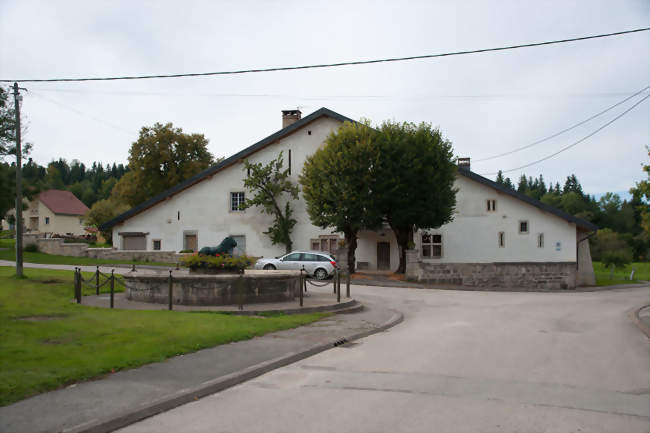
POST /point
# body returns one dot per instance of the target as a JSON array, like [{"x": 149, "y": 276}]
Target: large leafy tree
[
  {"x": 271, "y": 185},
  {"x": 413, "y": 181},
  {"x": 337, "y": 184},
  {"x": 162, "y": 157}
]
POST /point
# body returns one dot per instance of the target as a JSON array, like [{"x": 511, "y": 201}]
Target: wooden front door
[
  {"x": 383, "y": 256},
  {"x": 191, "y": 242}
]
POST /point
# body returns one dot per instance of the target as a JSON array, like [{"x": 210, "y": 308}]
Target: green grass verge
[
  {"x": 7, "y": 243},
  {"x": 47, "y": 342},
  {"x": 52, "y": 259},
  {"x": 604, "y": 276}
]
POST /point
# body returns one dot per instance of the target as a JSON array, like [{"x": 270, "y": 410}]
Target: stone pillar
[
  {"x": 412, "y": 265},
  {"x": 585, "y": 274},
  {"x": 30, "y": 239}
]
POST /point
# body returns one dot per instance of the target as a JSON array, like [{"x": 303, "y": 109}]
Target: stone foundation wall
[
  {"x": 256, "y": 287},
  {"x": 530, "y": 275}
]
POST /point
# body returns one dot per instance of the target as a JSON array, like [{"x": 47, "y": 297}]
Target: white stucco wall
[
  {"x": 472, "y": 237},
  {"x": 205, "y": 207}
]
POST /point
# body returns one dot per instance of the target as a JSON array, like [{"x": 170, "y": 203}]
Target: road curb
[
  {"x": 332, "y": 308},
  {"x": 189, "y": 395},
  {"x": 634, "y": 315}
]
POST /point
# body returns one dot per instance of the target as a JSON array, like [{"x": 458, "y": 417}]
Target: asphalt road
[{"x": 460, "y": 362}]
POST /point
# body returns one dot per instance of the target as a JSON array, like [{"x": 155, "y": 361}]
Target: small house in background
[{"x": 55, "y": 212}]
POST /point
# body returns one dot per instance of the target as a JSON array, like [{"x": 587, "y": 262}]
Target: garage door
[{"x": 134, "y": 242}]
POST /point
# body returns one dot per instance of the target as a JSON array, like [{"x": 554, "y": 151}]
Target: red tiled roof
[{"x": 62, "y": 202}]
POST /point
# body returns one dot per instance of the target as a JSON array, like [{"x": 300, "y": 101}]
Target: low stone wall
[
  {"x": 257, "y": 286},
  {"x": 59, "y": 247},
  {"x": 145, "y": 256},
  {"x": 529, "y": 275}
]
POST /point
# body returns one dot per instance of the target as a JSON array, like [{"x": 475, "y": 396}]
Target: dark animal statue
[{"x": 225, "y": 247}]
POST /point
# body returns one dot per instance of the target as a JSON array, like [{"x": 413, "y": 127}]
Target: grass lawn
[
  {"x": 51, "y": 259},
  {"x": 621, "y": 275},
  {"x": 7, "y": 243},
  {"x": 47, "y": 342}
]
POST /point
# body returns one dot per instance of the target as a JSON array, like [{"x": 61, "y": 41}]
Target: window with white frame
[
  {"x": 540, "y": 240},
  {"x": 502, "y": 239},
  {"x": 491, "y": 205},
  {"x": 156, "y": 244},
  {"x": 523, "y": 227},
  {"x": 431, "y": 245},
  {"x": 236, "y": 200}
]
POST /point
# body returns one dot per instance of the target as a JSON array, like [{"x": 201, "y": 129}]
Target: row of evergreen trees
[{"x": 89, "y": 184}]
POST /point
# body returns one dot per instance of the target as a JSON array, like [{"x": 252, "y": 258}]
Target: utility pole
[{"x": 19, "y": 189}]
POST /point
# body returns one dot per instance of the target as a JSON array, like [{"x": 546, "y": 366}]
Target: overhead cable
[
  {"x": 572, "y": 144},
  {"x": 329, "y": 65},
  {"x": 564, "y": 130}
]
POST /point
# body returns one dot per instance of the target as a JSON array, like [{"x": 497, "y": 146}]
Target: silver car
[{"x": 318, "y": 264}]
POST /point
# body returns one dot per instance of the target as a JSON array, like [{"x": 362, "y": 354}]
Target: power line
[
  {"x": 573, "y": 144},
  {"x": 184, "y": 94},
  {"x": 81, "y": 113},
  {"x": 331, "y": 65},
  {"x": 510, "y": 152}
]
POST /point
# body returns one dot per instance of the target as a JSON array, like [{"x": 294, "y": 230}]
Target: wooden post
[
  {"x": 112, "y": 287},
  {"x": 77, "y": 284},
  {"x": 97, "y": 281},
  {"x": 170, "y": 290},
  {"x": 240, "y": 290},
  {"x": 300, "y": 289},
  {"x": 338, "y": 293},
  {"x": 347, "y": 284}
]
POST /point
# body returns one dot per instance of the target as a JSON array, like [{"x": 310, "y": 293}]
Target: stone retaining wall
[
  {"x": 256, "y": 287},
  {"x": 530, "y": 275},
  {"x": 59, "y": 247}
]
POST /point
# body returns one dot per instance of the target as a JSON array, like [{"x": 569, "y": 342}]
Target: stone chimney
[
  {"x": 463, "y": 163},
  {"x": 289, "y": 117}
]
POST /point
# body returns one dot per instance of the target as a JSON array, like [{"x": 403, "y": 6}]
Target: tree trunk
[
  {"x": 351, "y": 241},
  {"x": 404, "y": 235}
]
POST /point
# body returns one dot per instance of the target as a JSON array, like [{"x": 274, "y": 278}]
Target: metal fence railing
[{"x": 100, "y": 279}]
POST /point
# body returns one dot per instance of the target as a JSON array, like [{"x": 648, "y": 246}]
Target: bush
[
  {"x": 186, "y": 251},
  {"x": 31, "y": 248},
  {"x": 224, "y": 262},
  {"x": 617, "y": 258}
]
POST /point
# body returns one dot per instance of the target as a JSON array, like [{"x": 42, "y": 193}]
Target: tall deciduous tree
[
  {"x": 413, "y": 182},
  {"x": 337, "y": 184},
  {"x": 271, "y": 185},
  {"x": 102, "y": 211},
  {"x": 162, "y": 157}
]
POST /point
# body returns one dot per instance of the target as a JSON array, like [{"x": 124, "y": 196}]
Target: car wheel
[
  {"x": 320, "y": 274},
  {"x": 269, "y": 268}
]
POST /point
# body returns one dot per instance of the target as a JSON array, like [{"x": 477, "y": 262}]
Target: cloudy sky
[{"x": 486, "y": 104}]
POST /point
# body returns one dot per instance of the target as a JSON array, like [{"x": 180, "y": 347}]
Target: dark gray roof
[
  {"x": 579, "y": 222},
  {"x": 223, "y": 164}
]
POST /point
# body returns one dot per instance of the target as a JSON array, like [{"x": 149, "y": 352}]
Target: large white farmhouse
[{"x": 498, "y": 237}]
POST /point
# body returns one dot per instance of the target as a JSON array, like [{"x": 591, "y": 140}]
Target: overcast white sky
[{"x": 485, "y": 103}]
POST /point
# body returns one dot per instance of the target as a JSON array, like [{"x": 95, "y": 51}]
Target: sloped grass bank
[
  {"x": 621, "y": 275},
  {"x": 47, "y": 342}
]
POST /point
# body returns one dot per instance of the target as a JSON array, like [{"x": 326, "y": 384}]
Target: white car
[{"x": 319, "y": 264}]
